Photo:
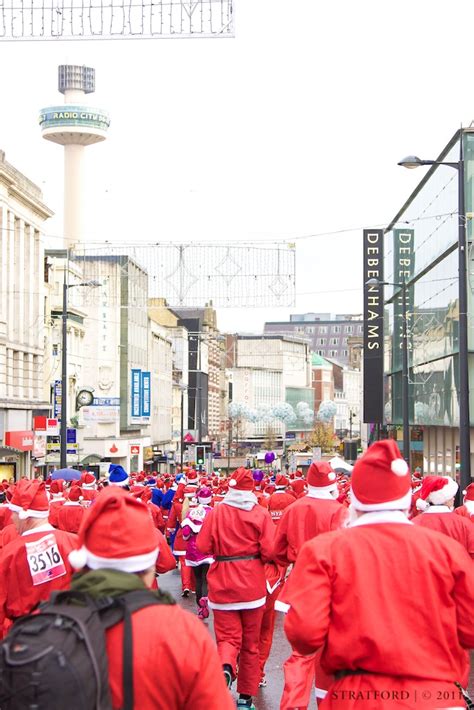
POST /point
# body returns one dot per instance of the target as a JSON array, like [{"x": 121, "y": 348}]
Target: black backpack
[{"x": 57, "y": 660}]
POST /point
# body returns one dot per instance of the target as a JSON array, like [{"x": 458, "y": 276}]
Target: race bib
[{"x": 44, "y": 560}]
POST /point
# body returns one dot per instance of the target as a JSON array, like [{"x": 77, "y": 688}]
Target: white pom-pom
[
  {"x": 232, "y": 482},
  {"x": 464, "y": 493},
  {"x": 422, "y": 504},
  {"x": 331, "y": 476},
  {"x": 399, "y": 467},
  {"x": 78, "y": 558}
]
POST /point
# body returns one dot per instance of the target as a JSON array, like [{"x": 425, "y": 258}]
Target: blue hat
[
  {"x": 178, "y": 477},
  {"x": 150, "y": 482},
  {"x": 117, "y": 475}
]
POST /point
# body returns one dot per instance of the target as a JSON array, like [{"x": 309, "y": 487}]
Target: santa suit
[
  {"x": 189, "y": 668},
  {"x": 237, "y": 587},
  {"x": 70, "y": 516},
  {"x": 5, "y": 516},
  {"x": 8, "y": 534},
  {"x": 390, "y": 604},
  {"x": 466, "y": 510},
  {"x": 89, "y": 494},
  {"x": 302, "y": 521},
  {"x": 179, "y": 545},
  {"x": 27, "y": 580},
  {"x": 442, "y": 519}
]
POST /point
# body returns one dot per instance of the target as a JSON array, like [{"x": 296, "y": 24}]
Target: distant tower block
[{"x": 75, "y": 126}]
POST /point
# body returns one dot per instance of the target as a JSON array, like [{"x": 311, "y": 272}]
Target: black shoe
[{"x": 185, "y": 593}]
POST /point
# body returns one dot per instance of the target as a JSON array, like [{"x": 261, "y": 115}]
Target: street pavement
[{"x": 269, "y": 697}]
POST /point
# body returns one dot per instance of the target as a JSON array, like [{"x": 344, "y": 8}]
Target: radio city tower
[{"x": 74, "y": 125}]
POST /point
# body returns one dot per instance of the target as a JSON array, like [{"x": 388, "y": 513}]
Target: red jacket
[
  {"x": 298, "y": 485},
  {"x": 54, "y": 507},
  {"x": 230, "y": 531},
  {"x": 165, "y": 561},
  {"x": 175, "y": 663},
  {"x": 304, "y": 519},
  {"x": 446, "y": 522},
  {"x": 393, "y": 599},
  {"x": 277, "y": 503},
  {"x": 25, "y": 581}
]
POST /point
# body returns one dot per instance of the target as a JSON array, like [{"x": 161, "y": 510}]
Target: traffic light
[{"x": 200, "y": 455}]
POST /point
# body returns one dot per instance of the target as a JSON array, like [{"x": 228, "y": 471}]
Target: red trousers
[
  {"x": 237, "y": 637},
  {"x": 300, "y": 673},
  {"x": 267, "y": 629},
  {"x": 187, "y": 576}
]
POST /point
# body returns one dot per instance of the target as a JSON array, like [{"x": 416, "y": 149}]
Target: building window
[
  {"x": 310, "y": 330},
  {"x": 322, "y": 341},
  {"x": 349, "y": 329},
  {"x": 344, "y": 341},
  {"x": 323, "y": 329},
  {"x": 336, "y": 329},
  {"x": 55, "y": 350},
  {"x": 320, "y": 352},
  {"x": 334, "y": 341},
  {"x": 333, "y": 353},
  {"x": 360, "y": 328},
  {"x": 345, "y": 353}
]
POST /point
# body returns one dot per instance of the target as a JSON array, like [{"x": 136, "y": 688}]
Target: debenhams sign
[{"x": 373, "y": 327}]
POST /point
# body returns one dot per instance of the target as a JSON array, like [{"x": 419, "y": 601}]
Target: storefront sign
[
  {"x": 403, "y": 270},
  {"x": 146, "y": 395},
  {"x": 50, "y": 426},
  {"x": 57, "y": 399},
  {"x": 373, "y": 327},
  {"x": 135, "y": 401},
  {"x": 39, "y": 446},
  {"x": 134, "y": 450},
  {"x": 22, "y": 440}
]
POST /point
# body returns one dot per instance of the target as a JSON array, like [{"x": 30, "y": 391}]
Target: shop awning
[{"x": 9, "y": 451}]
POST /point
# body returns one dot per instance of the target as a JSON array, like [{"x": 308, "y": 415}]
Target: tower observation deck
[{"x": 74, "y": 125}]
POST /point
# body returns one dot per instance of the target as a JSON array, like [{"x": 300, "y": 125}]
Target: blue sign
[
  {"x": 57, "y": 399},
  {"x": 71, "y": 436},
  {"x": 136, "y": 393},
  {"x": 106, "y": 402},
  {"x": 146, "y": 394}
]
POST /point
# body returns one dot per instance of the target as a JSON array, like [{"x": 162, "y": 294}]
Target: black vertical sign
[{"x": 373, "y": 327}]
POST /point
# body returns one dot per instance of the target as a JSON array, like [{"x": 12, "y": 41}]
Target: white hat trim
[
  {"x": 89, "y": 486},
  {"x": 204, "y": 501},
  {"x": 402, "y": 503},
  {"x": 322, "y": 489},
  {"x": 137, "y": 563},
  {"x": 23, "y": 514},
  {"x": 125, "y": 482},
  {"x": 444, "y": 494}
]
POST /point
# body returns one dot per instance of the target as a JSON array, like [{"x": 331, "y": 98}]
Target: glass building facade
[{"x": 421, "y": 249}]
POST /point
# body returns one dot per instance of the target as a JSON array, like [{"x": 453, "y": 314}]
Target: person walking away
[
  {"x": 35, "y": 563},
  {"x": 313, "y": 514},
  {"x": 436, "y": 503},
  {"x": 239, "y": 534},
  {"x": 70, "y": 514},
  {"x": 389, "y": 602},
  {"x": 466, "y": 510},
  {"x": 199, "y": 561},
  {"x": 117, "y": 554}
]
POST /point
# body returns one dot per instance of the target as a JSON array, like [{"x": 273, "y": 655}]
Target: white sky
[{"x": 293, "y": 128}]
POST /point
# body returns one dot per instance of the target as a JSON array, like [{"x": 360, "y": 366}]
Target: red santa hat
[
  {"x": 281, "y": 482},
  {"x": 57, "y": 488},
  {"x": 381, "y": 479},
  {"x": 321, "y": 476},
  {"x": 75, "y": 494},
  {"x": 241, "y": 480},
  {"x": 30, "y": 500},
  {"x": 436, "y": 490},
  {"x": 189, "y": 491},
  {"x": 469, "y": 492},
  {"x": 88, "y": 480},
  {"x": 117, "y": 532}
]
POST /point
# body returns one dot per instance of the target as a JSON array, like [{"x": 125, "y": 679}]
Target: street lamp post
[
  {"x": 405, "y": 394},
  {"x": 411, "y": 162},
  {"x": 183, "y": 388},
  {"x": 64, "y": 385}
]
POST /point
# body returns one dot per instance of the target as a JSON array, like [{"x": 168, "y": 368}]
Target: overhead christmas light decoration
[{"x": 116, "y": 19}]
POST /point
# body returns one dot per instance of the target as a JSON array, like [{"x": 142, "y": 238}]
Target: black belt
[
  {"x": 232, "y": 558},
  {"x": 346, "y": 672}
]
